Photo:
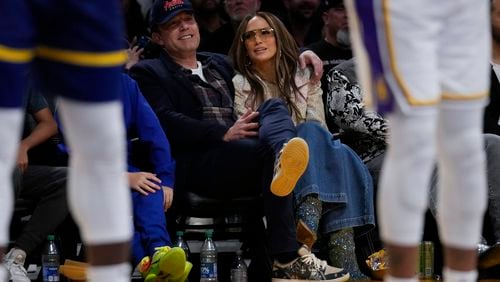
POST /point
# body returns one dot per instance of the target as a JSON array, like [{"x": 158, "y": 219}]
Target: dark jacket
[
  {"x": 170, "y": 93},
  {"x": 492, "y": 111}
]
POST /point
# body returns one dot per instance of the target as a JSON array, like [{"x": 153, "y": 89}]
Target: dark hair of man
[{"x": 286, "y": 62}]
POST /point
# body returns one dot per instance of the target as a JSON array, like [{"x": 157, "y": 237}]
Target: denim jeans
[{"x": 340, "y": 179}]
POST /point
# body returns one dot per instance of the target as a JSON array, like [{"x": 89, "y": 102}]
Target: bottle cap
[
  {"x": 209, "y": 232},
  {"x": 50, "y": 237},
  {"x": 179, "y": 233}
]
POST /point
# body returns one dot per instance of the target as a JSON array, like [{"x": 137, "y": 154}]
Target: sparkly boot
[
  {"x": 341, "y": 253},
  {"x": 308, "y": 216}
]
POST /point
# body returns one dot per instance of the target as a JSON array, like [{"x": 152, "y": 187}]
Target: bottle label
[
  {"x": 208, "y": 270},
  {"x": 50, "y": 273},
  {"x": 238, "y": 275}
]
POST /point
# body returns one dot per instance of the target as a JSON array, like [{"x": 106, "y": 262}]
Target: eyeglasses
[{"x": 263, "y": 33}]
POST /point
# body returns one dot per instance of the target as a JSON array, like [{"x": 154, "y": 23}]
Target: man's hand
[
  {"x": 168, "y": 197},
  {"x": 308, "y": 57},
  {"x": 144, "y": 182},
  {"x": 243, "y": 127}
]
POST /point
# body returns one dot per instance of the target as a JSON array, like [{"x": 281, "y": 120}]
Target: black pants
[
  {"x": 45, "y": 186},
  {"x": 245, "y": 167}
]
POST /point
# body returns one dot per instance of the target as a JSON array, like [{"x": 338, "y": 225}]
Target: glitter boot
[
  {"x": 308, "y": 216},
  {"x": 341, "y": 253}
]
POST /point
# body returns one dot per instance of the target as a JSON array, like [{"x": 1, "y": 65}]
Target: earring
[{"x": 248, "y": 62}]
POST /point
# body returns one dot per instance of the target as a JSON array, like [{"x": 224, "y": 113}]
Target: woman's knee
[{"x": 273, "y": 105}]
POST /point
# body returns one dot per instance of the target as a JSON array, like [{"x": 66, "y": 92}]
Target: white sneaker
[
  {"x": 14, "y": 263},
  {"x": 307, "y": 267}
]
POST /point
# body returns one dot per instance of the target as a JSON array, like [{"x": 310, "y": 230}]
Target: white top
[{"x": 199, "y": 71}]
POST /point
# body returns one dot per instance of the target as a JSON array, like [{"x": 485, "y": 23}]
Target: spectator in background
[
  {"x": 222, "y": 38},
  {"x": 43, "y": 184},
  {"x": 208, "y": 15},
  {"x": 135, "y": 23},
  {"x": 272, "y": 6},
  {"x": 39, "y": 128},
  {"x": 46, "y": 186},
  {"x": 302, "y": 19},
  {"x": 335, "y": 47},
  {"x": 145, "y": 8}
]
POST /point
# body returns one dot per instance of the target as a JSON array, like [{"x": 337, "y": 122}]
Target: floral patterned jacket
[{"x": 364, "y": 131}]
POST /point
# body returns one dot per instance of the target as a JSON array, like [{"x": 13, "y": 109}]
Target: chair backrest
[
  {"x": 194, "y": 212},
  {"x": 237, "y": 223}
]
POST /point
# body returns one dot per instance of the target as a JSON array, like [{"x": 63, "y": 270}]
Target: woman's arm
[{"x": 315, "y": 108}]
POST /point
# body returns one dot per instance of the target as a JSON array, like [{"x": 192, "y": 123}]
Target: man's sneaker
[
  {"x": 289, "y": 167},
  {"x": 185, "y": 275},
  {"x": 167, "y": 263},
  {"x": 14, "y": 262},
  {"x": 307, "y": 267}
]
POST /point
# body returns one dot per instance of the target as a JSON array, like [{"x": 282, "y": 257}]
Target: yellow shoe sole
[{"x": 293, "y": 162}]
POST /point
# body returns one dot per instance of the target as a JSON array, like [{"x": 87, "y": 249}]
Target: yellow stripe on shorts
[
  {"x": 81, "y": 58},
  {"x": 463, "y": 96},
  {"x": 15, "y": 55}
]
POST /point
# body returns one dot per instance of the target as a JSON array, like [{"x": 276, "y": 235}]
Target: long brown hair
[{"x": 286, "y": 62}]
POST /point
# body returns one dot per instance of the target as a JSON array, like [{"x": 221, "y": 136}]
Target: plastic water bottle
[
  {"x": 50, "y": 261},
  {"x": 239, "y": 269},
  {"x": 208, "y": 259},
  {"x": 182, "y": 244}
]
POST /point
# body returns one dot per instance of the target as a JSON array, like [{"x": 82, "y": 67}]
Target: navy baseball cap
[{"x": 164, "y": 10}]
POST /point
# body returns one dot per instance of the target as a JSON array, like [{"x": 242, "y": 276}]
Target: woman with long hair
[{"x": 336, "y": 188}]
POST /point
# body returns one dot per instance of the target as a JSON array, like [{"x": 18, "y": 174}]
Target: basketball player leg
[
  {"x": 86, "y": 58},
  {"x": 462, "y": 195},
  {"x": 15, "y": 56}
]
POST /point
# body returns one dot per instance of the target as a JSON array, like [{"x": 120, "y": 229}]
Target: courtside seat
[{"x": 237, "y": 223}]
